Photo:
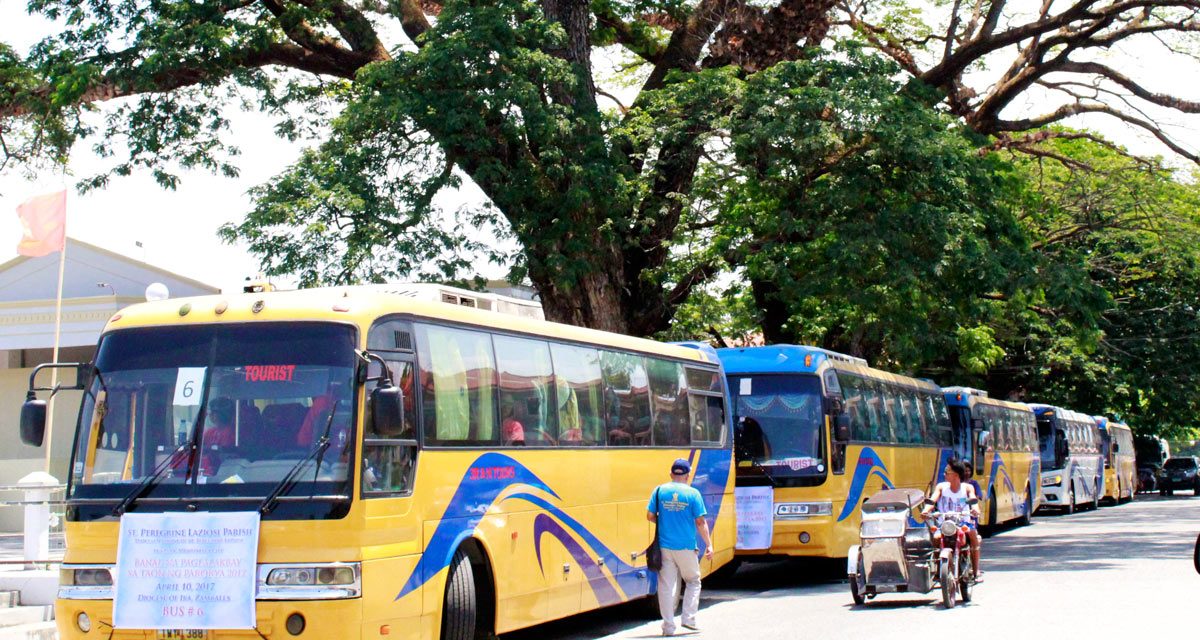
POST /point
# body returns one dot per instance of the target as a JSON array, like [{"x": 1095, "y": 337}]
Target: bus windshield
[
  {"x": 781, "y": 423},
  {"x": 1046, "y": 445},
  {"x": 253, "y": 399}
]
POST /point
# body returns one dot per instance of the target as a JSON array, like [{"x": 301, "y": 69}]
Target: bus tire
[
  {"x": 460, "y": 607},
  {"x": 1096, "y": 500},
  {"x": 993, "y": 512},
  {"x": 1027, "y": 515},
  {"x": 1070, "y": 508}
]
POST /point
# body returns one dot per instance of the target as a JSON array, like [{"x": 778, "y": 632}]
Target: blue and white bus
[{"x": 1072, "y": 467}]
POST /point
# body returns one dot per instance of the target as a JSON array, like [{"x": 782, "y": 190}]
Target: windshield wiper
[
  {"x": 137, "y": 492},
  {"x": 766, "y": 474},
  {"x": 289, "y": 480}
]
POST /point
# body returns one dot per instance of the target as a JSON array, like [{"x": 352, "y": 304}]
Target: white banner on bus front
[
  {"x": 755, "y": 517},
  {"x": 186, "y": 571}
]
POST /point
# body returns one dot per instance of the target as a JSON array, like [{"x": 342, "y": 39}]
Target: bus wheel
[
  {"x": 993, "y": 512},
  {"x": 1026, "y": 516},
  {"x": 460, "y": 606},
  {"x": 1070, "y": 508},
  {"x": 1095, "y": 501}
]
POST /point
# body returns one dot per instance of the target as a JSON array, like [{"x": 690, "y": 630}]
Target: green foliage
[{"x": 867, "y": 217}]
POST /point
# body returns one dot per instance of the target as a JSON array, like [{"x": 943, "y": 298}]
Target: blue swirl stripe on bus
[
  {"x": 484, "y": 480},
  {"x": 601, "y": 587},
  {"x": 492, "y": 473},
  {"x": 998, "y": 466},
  {"x": 869, "y": 464}
]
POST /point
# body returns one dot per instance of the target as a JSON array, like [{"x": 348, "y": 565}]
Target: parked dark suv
[{"x": 1181, "y": 473}]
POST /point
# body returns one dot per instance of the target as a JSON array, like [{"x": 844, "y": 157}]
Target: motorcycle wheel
[
  {"x": 856, "y": 589},
  {"x": 949, "y": 583},
  {"x": 966, "y": 577}
]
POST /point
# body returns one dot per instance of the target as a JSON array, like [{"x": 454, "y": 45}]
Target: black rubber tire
[
  {"x": 1070, "y": 508},
  {"x": 946, "y": 574},
  {"x": 857, "y": 592},
  {"x": 1026, "y": 519},
  {"x": 966, "y": 586},
  {"x": 1096, "y": 500},
  {"x": 1196, "y": 555},
  {"x": 460, "y": 609}
]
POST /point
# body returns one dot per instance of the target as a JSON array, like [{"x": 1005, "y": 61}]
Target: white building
[{"x": 96, "y": 284}]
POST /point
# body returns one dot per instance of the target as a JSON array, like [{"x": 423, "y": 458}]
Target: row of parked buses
[
  {"x": 826, "y": 431},
  {"x": 417, "y": 469}
]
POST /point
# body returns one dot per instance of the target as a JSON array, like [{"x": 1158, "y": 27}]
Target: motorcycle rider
[{"x": 954, "y": 495}]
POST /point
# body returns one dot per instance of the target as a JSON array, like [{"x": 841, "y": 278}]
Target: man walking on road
[{"x": 679, "y": 512}]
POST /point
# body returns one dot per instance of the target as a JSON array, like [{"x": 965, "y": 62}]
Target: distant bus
[
  {"x": 419, "y": 469},
  {"x": 1072, "y": 468},
  {"x": 1120, "y": 464},
  {"x": 1000, "y": 438},
  {"x": 824, "y": 431}
]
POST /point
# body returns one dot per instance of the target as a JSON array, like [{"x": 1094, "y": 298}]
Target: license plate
[{"x": 182, "y": 634}]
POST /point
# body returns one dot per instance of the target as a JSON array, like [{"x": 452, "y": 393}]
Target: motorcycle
[{"x": 898, "y": 554}]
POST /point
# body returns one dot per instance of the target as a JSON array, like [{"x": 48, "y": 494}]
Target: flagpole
[{"x": 62, "y": 266}]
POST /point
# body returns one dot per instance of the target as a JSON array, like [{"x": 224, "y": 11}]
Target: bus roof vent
[{"x": 841, "y": 357}]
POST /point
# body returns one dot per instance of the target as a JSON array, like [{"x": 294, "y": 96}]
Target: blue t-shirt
[{"x": 678, "y": 507}]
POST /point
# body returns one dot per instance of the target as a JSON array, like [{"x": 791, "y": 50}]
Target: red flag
[{"x": 44, "y": 219}]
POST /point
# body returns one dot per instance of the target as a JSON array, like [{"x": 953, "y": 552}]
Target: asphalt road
[{"x": 1120, "y": 572}]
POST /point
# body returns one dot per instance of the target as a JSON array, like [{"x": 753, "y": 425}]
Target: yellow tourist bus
[
  {"x": 403, "y": 468},
  {"x": 1000, "y": 438},
  {"x": 1120, "y": 464},
  {"x": 819, "y": 432}
]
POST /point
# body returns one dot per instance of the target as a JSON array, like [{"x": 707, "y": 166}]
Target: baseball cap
[{"x": 681, "y": 466}]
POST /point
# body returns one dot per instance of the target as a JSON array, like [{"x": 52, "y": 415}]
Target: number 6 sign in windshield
[{"x": 188, "y": 386}]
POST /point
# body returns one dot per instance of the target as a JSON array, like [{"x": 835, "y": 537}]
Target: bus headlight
[
  {"x": 1050, "y": 481},
  {"x": 307, "y": 576},
  {"x": 310, "y": 581},
  {"x": 85, "y": 582},
  {"x": 797, "y": 510}
]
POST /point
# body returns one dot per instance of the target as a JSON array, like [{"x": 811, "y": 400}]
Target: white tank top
[{"x": 949, "y": 501}]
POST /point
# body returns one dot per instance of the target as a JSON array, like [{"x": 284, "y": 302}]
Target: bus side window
[
  {"x": 626, "y": 399},
  {"x": 706, "y": 406},
  {"x": 526, "y": 392},
  {"x": 668, "y": 397},
  {"x": 389, "y": 460},
  {"x": 458, "y": 386},
  {"x": 579, "y": 390}
]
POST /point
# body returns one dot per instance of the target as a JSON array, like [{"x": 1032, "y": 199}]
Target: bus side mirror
[
  {"x": 841, "y": 428},
  {"x": 387, "y": 410},
  {"x": 33, "y": 420}
]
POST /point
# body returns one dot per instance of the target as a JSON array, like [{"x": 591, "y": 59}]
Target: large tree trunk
[{"x": 593, "y": 300}]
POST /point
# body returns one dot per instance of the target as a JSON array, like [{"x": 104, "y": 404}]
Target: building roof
[{"x": 28, "y": 287}]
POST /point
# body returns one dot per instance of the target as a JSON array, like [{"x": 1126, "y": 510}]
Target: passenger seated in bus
[
  {"x": 622, "y": 435},
  {"x": 513, "y": 432}
]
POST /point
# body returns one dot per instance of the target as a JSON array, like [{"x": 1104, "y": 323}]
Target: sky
[{"x": 177, "y": 229}]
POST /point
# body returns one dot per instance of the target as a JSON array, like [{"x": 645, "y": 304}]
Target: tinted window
[
  {"x": 626, "y": 399},
  {"x": 527, "y": 415},
  {"x": 668, "y": 395},
  {"x": 579, "y": 386},
  {"x": 459, "y": 386}
]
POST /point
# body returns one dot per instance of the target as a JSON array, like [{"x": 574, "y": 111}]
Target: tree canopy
[{"x": 861, "y": 175}]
